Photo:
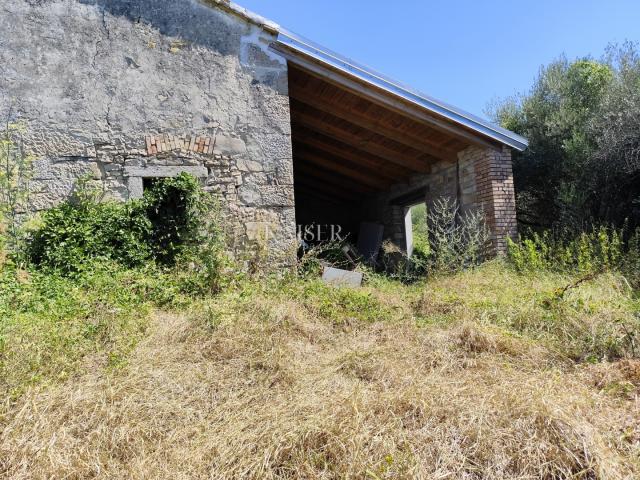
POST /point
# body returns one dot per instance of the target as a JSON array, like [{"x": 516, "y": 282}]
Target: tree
[{"x": 582, "y": 120}]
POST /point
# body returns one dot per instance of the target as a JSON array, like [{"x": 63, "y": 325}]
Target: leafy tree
[{"x": 582, "y": 119}]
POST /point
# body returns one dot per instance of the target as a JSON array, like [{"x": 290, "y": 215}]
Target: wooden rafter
[
  {"x": 306, "y": 188},
  {"x": 330, "y": 178},
  {"x": 417, "y": 162},
  {"x": 360, "y": 175},
  {"x": 394, "y": 104},
  {"x": 348, "y": 154},
  {"x": 376, "y": 125},
  {"x": 383, "y": 172}
]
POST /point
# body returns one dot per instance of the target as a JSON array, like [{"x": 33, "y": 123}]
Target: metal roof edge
[{"x": 308, "y": 48}]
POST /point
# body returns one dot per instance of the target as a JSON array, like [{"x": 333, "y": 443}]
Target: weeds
[
  {"x": 16, "y": 170},
  {"x": 456, "y": 240},
  {"x": 488, "y": 372},
  {"x": 295, "y": 379},
  {"x": 599, "y": 249},
  {"x": 51, "y": 324}
]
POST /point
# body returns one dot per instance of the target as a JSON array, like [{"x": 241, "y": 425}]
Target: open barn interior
[{"x": 350, "y": 149}]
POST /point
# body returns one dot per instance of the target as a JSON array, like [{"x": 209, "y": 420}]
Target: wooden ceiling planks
[
  {"x": 363, "y": 140},
  {"x": 350, "y": 155},
  {"x": 400, "y": 106},
  {"x": 306, "y": 188},
  {"x": 364, "y": 176},
  {"x": 348, "y": 146},
  {"x": 365, "y": 115},
  {"x": 325, "y": 176}
]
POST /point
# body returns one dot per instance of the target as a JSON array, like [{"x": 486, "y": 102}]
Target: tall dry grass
[{"x": 269, "y": 385}]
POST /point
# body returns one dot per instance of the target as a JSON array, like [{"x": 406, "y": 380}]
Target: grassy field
[{"x": 486, "y": 374}]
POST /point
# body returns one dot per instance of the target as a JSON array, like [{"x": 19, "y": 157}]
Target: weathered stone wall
[
  {"x": 93, "y": 80},
  {"x": 481, "y": 179}
]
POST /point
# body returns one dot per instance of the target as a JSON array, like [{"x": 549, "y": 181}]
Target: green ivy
[{"x": 162, "y": 226}]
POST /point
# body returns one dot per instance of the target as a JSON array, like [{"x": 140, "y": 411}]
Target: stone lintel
[{"x": 158, "y": 171}]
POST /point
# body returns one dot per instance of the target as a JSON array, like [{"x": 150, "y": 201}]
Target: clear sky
[{"x": 465, "y": 52}]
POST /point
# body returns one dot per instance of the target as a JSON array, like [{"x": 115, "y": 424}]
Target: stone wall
[
  {"x": 481, "y": 179},
  {"x": 93, "y": 81}
]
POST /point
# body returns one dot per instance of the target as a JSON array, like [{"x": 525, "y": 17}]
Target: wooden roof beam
[
  {"x": 375, "y": 125},
  {"x": 392, "y": 103},
  {"x": 339, "y": 163},
  {"x": 329, "y": 178},
  {"x": 306, "y": 188},
  {"x": 335, "y": 166},
  {"x": 344, "y": 151},
  {"x": 364, "y": 145},
  {"x": 341, "y": 188}
]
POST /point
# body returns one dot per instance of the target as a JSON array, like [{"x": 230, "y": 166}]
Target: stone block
[
  {"x": 225, "y": 145},
  {"x": 247, "y": 165},
  {"x": 135, "y": 187},
  {"x": 337, "y": 277},
  {"x": 277, "y": 196}
]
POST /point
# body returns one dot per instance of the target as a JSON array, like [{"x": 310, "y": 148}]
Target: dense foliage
[
  {"x": 588, "y": 253},
  {"x": 582, "y": 120},
  {"x": 176, "y": 208},
  {"x": 72, "y": 233},
  {"x": 162, "y": 226}
]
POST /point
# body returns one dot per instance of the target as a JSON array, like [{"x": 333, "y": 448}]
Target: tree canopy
[{"x": 582, "y": 119}]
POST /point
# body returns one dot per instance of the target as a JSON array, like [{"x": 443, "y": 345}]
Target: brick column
[{"x": 494, "y": 192}]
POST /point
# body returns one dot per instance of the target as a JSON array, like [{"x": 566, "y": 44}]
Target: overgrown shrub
[
  {"x": 176, "y": 208},
  {"x": 445, "y": 241},
  {"x": 73, "y": 233},
  {"x": 598, "y": 249},
  {"x": 173, "y": 224},
  {"x": 456, "y": 240}
]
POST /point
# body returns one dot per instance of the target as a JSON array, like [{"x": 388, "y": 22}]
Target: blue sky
[{"x": 464, "y": 52}]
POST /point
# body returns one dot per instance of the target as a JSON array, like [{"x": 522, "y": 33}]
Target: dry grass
[{"x": 267, "y": 386}]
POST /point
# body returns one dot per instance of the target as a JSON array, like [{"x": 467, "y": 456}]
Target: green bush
[
  {"x": 600, "y": 249},
  {"x": 176, "y": 208},
  {"x": 456, "y": 241},
  {"x": 73, "y": 233},
  {"x": 169, "y": 225}
]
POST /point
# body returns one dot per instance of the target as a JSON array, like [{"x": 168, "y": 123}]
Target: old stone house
[{"x": 287, "y": 132}]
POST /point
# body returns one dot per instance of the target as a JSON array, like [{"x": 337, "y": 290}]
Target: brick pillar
[{"x": 494, "y": 192}]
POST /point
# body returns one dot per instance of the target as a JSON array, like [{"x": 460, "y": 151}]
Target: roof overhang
[
  {"x": 308, "y": 54},
  {"x": 304, "y": 52}
]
